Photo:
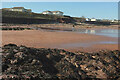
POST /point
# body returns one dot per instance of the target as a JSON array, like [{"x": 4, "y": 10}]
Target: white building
[
  {"x": 57, "y": 13},
  {"x": 19, "y": 9},
  {"x": 47, "y": 12},
  {"x": 53, "y": 13},
  {"x": 88, "y": 19},
  {"x": 93, "y": 19},
  {"x": 114, "y": 21}
]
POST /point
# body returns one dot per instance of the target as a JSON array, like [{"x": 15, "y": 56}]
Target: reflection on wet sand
[{"x": 104, "y": 32}]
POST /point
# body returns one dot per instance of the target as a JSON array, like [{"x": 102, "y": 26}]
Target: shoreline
[{"x": 84, "y": 26}]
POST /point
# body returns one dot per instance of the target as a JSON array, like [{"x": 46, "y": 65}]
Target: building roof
[
  {"x": 18, "y": 7},
  {"x": 47, "y": 11},
  {"x": 28, "y": 9},
  {"x": 5, "y": 8},
  {"x": 56, "y": 11},
  {"x": 53, "y": 11}
]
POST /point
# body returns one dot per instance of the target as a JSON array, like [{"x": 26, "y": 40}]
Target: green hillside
[
  {"x": 29, "y": 15},
  {"x": 33, "y": 18}
]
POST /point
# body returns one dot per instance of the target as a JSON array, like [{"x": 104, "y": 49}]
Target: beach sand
[{"x": 45, "y": 39}]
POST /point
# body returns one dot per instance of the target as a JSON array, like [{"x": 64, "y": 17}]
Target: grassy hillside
[
  {"x": 31, "y": 18},
  {"x": 28, "y": 15}
]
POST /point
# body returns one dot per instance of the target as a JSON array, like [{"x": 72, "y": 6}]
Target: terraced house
[{"x": 20, "y": 9}]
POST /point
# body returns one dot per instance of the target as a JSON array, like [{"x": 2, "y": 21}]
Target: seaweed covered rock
[{"x": 21, "y": 62}]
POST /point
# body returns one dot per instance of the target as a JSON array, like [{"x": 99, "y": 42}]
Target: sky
[
  {"x": 99, "y": 10},
  {"x": 60, "y": 0}
]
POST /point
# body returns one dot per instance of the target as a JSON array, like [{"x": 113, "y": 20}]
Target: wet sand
[
  {"x": 44, "y": 39},
  {"x": 95, "y": 48}
]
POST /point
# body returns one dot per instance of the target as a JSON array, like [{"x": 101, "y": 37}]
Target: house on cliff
[
  {"x": 19, "y": 9},
  {"x": 47, "y": 12},
  {"x": 53, "y": 13},
  {"x": 92, "y": 19}
]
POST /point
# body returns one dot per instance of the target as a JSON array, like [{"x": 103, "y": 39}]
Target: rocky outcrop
[{"x": 21, "y": 62}]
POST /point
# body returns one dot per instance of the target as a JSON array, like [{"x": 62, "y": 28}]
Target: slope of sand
[{"x": 44, "y": 39}]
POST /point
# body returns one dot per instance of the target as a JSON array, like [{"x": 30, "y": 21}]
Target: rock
[
  {"x": 21, "y": 62},
  {"x": 10, "y": 45},
  {"x": 19, "y": 54}
]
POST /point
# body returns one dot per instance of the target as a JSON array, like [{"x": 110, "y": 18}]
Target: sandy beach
[{"x": 45, "y": 39}]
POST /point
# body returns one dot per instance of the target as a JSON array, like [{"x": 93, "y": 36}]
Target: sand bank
[{"x": 44, "y": 39}]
